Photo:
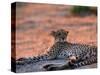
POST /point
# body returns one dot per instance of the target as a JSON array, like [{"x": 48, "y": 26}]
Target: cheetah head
[{"x": 60, "y": 35}]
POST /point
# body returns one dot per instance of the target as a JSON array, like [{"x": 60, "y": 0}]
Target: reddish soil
[{"x": 34, "y": 22}]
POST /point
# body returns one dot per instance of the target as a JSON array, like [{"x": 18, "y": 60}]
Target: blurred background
[{"x": 35, "y": 21}]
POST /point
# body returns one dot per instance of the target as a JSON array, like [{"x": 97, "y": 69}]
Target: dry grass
[{"x": 36, "y": 21}]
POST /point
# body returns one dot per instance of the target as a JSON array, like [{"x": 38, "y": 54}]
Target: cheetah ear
[
  {"x": 52, "y": 33},
  {"x": 67, "y": 32}
]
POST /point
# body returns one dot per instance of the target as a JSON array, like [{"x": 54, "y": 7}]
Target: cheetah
[{"x": 76, "y": 54}]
